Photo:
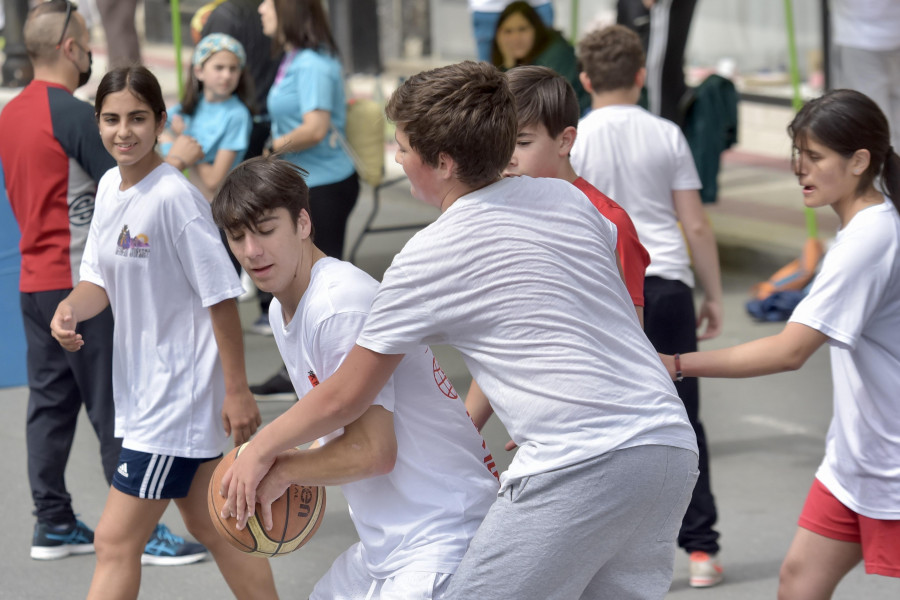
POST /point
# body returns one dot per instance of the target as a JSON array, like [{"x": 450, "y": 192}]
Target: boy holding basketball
[
  {"x": 528, "y": 290},
  {"x": 415, "y": 472}
]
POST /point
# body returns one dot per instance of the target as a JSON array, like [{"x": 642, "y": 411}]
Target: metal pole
[
  {"x": 175, "y": 9},
  {"x": 17, "y": 70}
]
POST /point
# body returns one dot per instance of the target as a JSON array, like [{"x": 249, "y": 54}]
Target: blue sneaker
[
  {"x": 58, "y": 541},
  {"x": 165, "y": 549}
]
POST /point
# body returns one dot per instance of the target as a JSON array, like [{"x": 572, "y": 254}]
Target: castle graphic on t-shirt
[{"x": 135, "y": 247}]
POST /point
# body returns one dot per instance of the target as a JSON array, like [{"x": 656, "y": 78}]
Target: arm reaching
[
  {"x": 307, "y": 134},
  {"x": 85, "y": 301},
  {"x": 705, "y": 254},
  {"x": 478, "y": 406},
  {"x": 367, "y": 448},
  {"x": 336, "y": 402},
  {"x": 240, "y": 414},
  {"x": 785, "y": 351}
]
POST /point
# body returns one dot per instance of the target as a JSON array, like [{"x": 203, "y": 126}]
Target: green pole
[
  {"x": 573, "y": 34},
  {"x": 175, "y": 8},
  {"x": 812, "y": 227}
]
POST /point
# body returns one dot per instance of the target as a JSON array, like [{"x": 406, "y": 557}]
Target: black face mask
[{"x": 84, "y": 77}]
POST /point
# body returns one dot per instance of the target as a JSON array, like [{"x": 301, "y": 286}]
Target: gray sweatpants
[{"x": 603, "y": 528}]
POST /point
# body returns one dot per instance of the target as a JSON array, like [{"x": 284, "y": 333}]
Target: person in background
[
  {"x": 308, "y": 109},
  {"x": 521, "y": 38},
  {"x": 664, "y": 26},
  {"x": 484, "y": 21},
  {"x": 866, "y": 53},
  {"x": 52, "y": 158},
  {"x": 122, "y": 43}
]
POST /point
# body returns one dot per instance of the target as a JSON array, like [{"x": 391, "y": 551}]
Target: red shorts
[{"x": 880, "y": 539}]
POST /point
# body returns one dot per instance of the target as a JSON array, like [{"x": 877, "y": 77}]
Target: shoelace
[{"x": 164, "y": 533}]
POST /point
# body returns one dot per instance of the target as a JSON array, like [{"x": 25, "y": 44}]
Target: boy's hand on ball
[
  {"x": 272, "y": 487},
  {"x": 239, "y": 486}
]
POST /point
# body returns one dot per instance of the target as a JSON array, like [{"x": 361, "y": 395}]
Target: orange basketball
[{"x": 295, "y": 517}]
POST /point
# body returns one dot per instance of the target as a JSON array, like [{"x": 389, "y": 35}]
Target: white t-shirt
[
  {"x": 156, "y": 252},
  {"x": 521, "y": 278},
  {"x": 422, "y": 515},
  {"x": 866, "y": 24},
  {"x": 638, "y": 159},
  {"x": 855, "y": 301}
]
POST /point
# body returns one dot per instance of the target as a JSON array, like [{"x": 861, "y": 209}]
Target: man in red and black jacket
[{"x": 52, "y": 159}]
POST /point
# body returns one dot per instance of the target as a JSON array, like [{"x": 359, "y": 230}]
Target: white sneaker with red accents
[{"x": 705, "y": 570}]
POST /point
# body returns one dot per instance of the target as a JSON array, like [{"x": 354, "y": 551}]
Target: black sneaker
[
  {"x": 58, "y": 541},
  {"x": 276, "y": 387},
  {"x": 165, "y": 549}
]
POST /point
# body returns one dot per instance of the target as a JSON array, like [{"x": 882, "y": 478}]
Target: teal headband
[{"x": 216, "y": 42}]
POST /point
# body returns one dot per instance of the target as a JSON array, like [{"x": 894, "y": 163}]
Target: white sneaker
[{"x": 705, "y": 570}]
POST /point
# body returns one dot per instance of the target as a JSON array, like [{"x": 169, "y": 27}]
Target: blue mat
[{"x": 12, "y": 344}]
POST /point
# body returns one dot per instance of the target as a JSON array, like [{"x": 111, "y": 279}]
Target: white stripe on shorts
[{"x": 155, "y": 476}]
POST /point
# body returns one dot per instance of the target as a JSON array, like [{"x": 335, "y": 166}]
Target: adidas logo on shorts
[{"x": 123, "y": 470}]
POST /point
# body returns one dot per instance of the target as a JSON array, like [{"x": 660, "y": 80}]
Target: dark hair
[
  {"x": 139, "y": 81},
  {"x": 245, "y": 91},
  {"x": 846, "y": 121},
  {"x": 543, "y": 97},
  {"x": 465, "y": 111},
  {"x": 257, "y": 186},
  {"x": 543, "y": 35},
  {"x": 611, "y": 57},
  {"x": 302, "y": 24}
]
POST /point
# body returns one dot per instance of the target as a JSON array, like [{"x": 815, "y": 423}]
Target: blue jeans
[{"x": 484, "y": 24}]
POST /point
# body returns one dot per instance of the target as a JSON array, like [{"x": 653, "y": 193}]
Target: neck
[
  {"x": 458, "y": 190},
  {"x": 847, "y": 209},
  {"x": 133, "y": 174},
  {"x": 290, "y": 297},
  {"x": 566, "y": 172},
  {"x": 54, "y": 74},
  {"x": 615, "y": 97}
]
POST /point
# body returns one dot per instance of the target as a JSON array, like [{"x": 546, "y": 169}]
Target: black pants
[
  {"x": 670, "y": 325},
  {"x": 664, "y": 31},
  {"x": 59, "y": 383}
]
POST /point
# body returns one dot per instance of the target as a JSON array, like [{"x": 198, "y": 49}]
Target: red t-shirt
[
  {"x": 632, "y": 253},
  {"x": 52, "y": 157}
]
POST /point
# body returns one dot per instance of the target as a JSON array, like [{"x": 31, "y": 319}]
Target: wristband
[{"x": 679, "y": 376}]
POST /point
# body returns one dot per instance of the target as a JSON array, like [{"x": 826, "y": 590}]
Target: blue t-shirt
[
  {"x": 312, "y": 81},
  {"x": 217, "y": 126}
]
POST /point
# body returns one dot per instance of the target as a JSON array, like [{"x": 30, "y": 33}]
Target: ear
[
  {"x": 161, "y": 126},
  {"x": 585, "y": 82},
  {"x": 567, "y": 140},
  {"x": 198, "y": 72},
  {"x": 304, "y": 224},
  {"x": 446, "y": 166},
  {"x": 860, "y": 161},
  {"x": 640, "y": 78}
]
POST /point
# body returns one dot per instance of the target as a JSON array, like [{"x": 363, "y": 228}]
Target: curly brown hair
[
  {"x": 465, "y": 111},
  {"x": 611, "y": 57}
]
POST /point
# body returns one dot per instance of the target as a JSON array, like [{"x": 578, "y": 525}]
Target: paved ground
[{"x": 766, "y": 435}]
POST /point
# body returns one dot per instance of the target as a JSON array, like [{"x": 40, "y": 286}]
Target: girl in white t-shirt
[
  {"x": 842, "y": 152},
  {"x": 153, "y": 254}
]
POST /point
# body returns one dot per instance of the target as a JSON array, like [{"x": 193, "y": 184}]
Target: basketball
[{"x": 295, "y": 517}]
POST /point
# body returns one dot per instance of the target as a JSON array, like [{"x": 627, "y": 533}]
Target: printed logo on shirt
[
  {"x": 81, "y": 210},
  {"x": 311, "y": 375},
  {"x": 137, "y": 246},
  {"x": 123, "y": 470},
  {"x": 442, "y": 381}
]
